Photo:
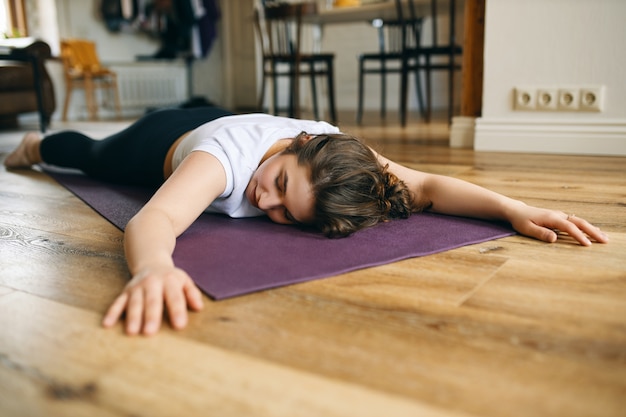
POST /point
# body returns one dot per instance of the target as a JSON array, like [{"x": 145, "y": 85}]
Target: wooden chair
[
  {"x": 387, "y": 60},
  {"x": 280, "y": 28},
  {"x": 82, "y": 69},
  {"x": 421, "y": 57}
]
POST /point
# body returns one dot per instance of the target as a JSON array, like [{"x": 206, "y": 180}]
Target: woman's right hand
[
  {"x": 147, "y": 293},
  {"x": 149, "y": 241}
]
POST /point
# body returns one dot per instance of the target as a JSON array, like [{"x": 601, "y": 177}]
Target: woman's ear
[{"x": 304, "y": 137}]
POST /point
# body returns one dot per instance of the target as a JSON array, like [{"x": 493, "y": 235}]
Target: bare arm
[
  {"x": 452, "y": 196},
  {"x": 149, "y": 241}
]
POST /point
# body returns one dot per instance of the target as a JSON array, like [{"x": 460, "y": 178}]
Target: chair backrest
[
  {"x": 281, "y": 27},
  {"x": 391, "y": 32},
  {"x": 80, "y": 56},
  {"x": 281, "y": 30},
  {"x": 409, "y": 12}
]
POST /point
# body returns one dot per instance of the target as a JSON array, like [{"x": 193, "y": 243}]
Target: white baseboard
[{"x": 598, "y": 137}]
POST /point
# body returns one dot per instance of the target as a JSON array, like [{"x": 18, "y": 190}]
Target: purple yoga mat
[{"x": 230, "y": 257}]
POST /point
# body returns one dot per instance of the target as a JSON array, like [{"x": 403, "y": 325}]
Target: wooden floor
[{"x": 512, "y": 327}]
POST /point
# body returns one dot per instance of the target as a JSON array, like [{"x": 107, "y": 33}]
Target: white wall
[{"x": 559, "y": 43}]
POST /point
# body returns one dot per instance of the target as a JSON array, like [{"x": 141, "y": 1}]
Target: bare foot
[{"x": 27, "y": 152}]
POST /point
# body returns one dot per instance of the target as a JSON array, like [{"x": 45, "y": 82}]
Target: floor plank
[{"x": 126, "y": 376}]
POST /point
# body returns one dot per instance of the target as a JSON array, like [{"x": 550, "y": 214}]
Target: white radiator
[{"x": 151, "y": 84}]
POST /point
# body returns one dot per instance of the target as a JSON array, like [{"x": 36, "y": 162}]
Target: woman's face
[{"x": 282, "y": 189}]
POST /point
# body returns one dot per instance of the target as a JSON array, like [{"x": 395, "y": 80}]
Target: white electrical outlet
[
  {"x": 592, "y": 98},
  {"x": 569, "y": 99},
  {"x": 547, "y": 99},
  {"x": 585, "y": 98},
  {"x": 525, "y": 98}
]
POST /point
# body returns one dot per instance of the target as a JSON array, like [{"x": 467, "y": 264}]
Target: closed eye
[
  {"x": 281, "y": 183},
  {"x": 282, "y": 186},
  {"x": 285, "y": 180},
  {"x": 288, "y": 215},
  {"x": 277, "y": 184}
]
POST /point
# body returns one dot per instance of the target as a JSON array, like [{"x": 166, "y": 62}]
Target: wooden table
[{"x": 380, "y": 10}]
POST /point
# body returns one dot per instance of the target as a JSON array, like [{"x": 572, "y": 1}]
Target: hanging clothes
[
  {"x": 119, "y": 14},
  {"x": 184, "y": 27},
  {"x": 205, "y": 29}
]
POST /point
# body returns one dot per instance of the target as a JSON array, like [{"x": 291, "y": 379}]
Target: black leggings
[{"x": 134, "y": 156}]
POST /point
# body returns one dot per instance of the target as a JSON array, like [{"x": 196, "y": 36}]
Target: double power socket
[{"x": 582, "y": 98}]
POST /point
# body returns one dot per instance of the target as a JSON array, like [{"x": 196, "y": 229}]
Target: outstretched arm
[
  {"x": 452, "y": 196},
  {"x": 149, "y": 241}
]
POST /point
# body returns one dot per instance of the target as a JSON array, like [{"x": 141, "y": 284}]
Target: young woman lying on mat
[{"x": 206, "y": 159}]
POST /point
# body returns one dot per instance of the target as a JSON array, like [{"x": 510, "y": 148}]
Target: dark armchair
[{"x": 19, "y": 60}]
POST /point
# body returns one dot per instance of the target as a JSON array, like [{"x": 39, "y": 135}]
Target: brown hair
[{"x": 352, "y": 189}]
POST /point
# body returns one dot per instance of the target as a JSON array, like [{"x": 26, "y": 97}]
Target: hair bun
[{"x": 396, "y": 198}]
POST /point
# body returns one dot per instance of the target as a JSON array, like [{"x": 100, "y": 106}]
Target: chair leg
[
  {"x": 359, "y": 111},
  {"x": 429, "y": 96},
  {"x": 314, "y": 90},
  {"x": 116, "y": 98},
  {"x": 294, "y": 96},
  {"x": 262, "y": 93},
  {"x": 383, "y": 89},
  {"x": 418, "y": 91},
  {"x": 331, "y": 91},
  {"x": 66, "y": 103},
  {"x": 404, "y": 77},
  {"x": 450, "y": 88},
  {"x": 274, "y": 89},
  {"x": 92, "y": 107}
]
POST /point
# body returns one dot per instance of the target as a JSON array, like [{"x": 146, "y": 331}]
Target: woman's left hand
[{"x": 543, "y": 224}]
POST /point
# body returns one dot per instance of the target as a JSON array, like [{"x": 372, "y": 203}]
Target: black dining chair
[
  {"x": 387, "y": 60},
  {"x": 438, "y": 55},
  {"x": 281, "y": 32}
]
